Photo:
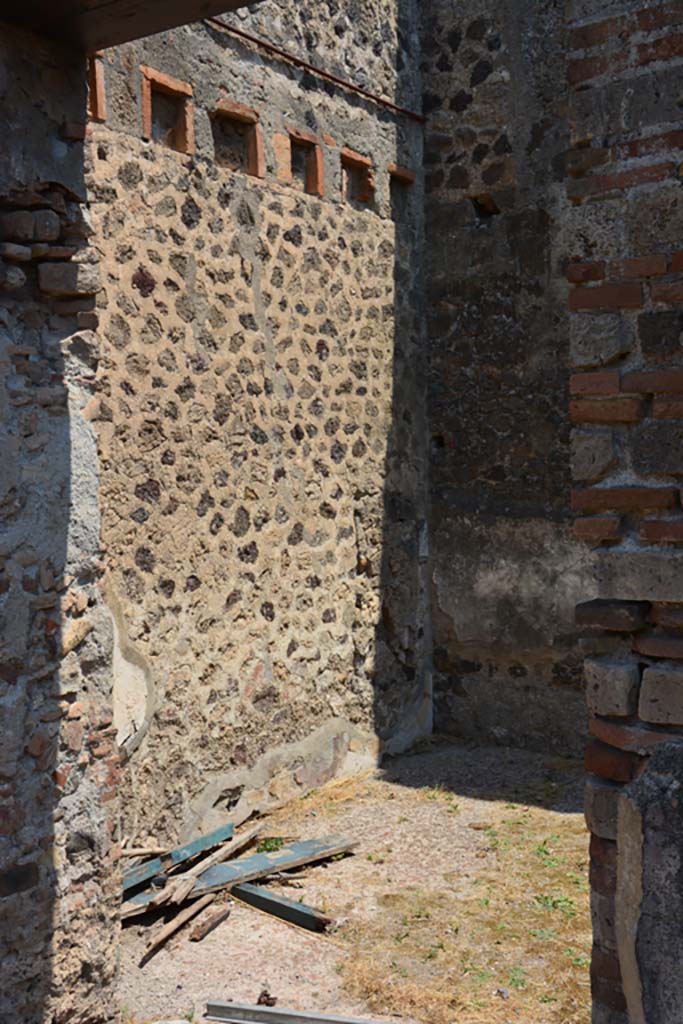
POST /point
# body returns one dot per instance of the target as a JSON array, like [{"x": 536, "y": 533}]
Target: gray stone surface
[
  {"x": 600, "y": 805},
  {"x": 597, "y": 339},
  {"x": 650, "y": 890},
  {"x": 661, "y": 695},
  {"x": 592, "y": 454},
  {"x": 612, "y": 686},
  {"x": 66, "y": 279},
  {"x": 657, "y": 448},
  {"x": 641, "y": 575}
]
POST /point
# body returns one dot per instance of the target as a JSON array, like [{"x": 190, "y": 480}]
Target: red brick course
[
  {"x": 619, "y": 180},
  {"x": 607, "y": 296},
  {"x": 640, "y": 266},
  {"x": 623, "y": 499},
  {"x": 608, "y": 762},
  {"x": 655, "y": 531},
  {"x": 635, "y": 738},
  {"x": 606, "y": 410},
  {"x": 653, "y": 646},
  {"x": 598, "y": 530},
  {"x": 661, "y": 49},
  {"x": 670, "y": 292},
  {"x": 580, "y": 273},
  {"x": 654, "y": 381},
  {"x": 598, "y": 382},
  {"x": 668, "y": 616},
  {"x": 667, "y": 408}
]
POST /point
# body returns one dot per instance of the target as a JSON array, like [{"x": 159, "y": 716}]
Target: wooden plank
[
  {"x": 236, "y": 1013},
  {"x": 144, "y": 872},
  {"x": 143, "y": 851},
  {"x": 97, "y": 24},
  {"x": 173, "y": 926},
  {"x": 256, "y": 865},
  {"x": 202, "y": 928},
  {"x": 280, "y": 906},
  {"x": 183, "y": 884}
]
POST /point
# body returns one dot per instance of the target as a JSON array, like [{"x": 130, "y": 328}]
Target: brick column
[{"x": 626, "y": 406}]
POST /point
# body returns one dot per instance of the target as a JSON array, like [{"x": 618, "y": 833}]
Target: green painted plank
[
  {"x": 256, "y": 865},
  {"x": 280, "y": 906},
  {"x": 235, "y": 1013},
  {"x": 144, "y": 872}
]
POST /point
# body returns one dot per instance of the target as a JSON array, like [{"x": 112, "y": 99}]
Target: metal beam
[
  {"x": 96, "y": 24},
  {"x": 281, "y": 906},
  {"x": 235, "y": 1013}
]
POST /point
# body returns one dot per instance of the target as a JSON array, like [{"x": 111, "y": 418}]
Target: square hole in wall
[
  {"x": 400, "y": 182},
  {"x": 230, "y": 141},
  {"x": 167, "y": 111},
  {"x": 97, "y": 109},
  {"x": 237, "y": 138},
  {"x": 306, "y": 164},
  {"x": 358, "y": 179}
]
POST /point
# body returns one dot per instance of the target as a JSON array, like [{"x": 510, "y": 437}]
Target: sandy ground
[{"x": 424, "y": 824}]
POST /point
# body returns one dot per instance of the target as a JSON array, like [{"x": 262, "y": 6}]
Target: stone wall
[
  {"x": 625, "y": 299},
  {"x": 505, "y": 571},
  {"x": 58, "y": 766},
  {"x": 260, "y": 427}
]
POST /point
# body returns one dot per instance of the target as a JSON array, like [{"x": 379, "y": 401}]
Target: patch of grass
[
  {"x": 516, "y": 919},
  {"x": 565, "y": 904},
  {"x": 517, "y": 978},
  {"x": 270, "y": 844},
  {"x": 439, "y": 955},
  {"x": 576, "y": 958},
  {"x": 547, "y": 856}
]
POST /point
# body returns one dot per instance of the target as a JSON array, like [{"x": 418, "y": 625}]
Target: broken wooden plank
[
  {"x": 256, "y": 865},
  {"x": 144, "y": 872},
  {"x": 179, "y": 887},
  {"x": 178, "y": 921},
  {"x": 280, "y": 906},
  {"x": 144, "y": 851},
  {"x": 235, "y": 1013},
  {"x": 202, "y": 928}
]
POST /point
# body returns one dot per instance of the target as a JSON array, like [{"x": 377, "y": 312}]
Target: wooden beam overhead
[{"x": 93, "y": 25}]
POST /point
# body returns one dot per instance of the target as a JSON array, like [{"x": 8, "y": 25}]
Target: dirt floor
[{"x": 466, "y": 901}]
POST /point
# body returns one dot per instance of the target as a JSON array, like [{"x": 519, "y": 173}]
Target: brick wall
[{"x": 625, "y": 279}]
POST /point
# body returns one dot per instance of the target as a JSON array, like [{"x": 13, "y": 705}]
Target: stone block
[
  {"x": 611, "y": 686},
  {"x": 592, "y": 454},
  {"x": 11, "y": 278},
  {"x": 600, "y": 807},
  {"x": 640, "y": 575},
  {"x": 69, "y": 278},
  {"x": 606, "y": 1015},
  {"x": 596, "y": 340},
  {"x": 603, "y": 865},
  {"x": 657, "y": 448},
  {"x": 14, "y": 251},
  {"x": 603, "y": 916},
  {"x": 46, "y": 226},
  {"x": 17, "y": 226},
  {"x": 661, "y": 336},
  {"x": 661, "y": 695}
]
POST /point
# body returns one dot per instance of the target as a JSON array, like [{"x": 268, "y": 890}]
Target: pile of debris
[{"x": 207, "y": 870}]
